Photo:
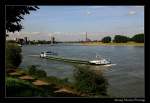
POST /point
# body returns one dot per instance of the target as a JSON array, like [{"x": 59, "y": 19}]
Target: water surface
[{"x": 126, "y": 78}]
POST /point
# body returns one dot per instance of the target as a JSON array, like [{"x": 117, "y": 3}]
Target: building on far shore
[
  {"x": 52, "y": 40},
  {"x": 25, "y": 40},
  {"x": 22, "y": 41}
]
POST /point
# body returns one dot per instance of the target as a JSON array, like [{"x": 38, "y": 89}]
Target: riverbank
[
  {"x": 35, "y": 82},
  {"x": 112, "y": 44},
  {"x": 47, "y": 86}
]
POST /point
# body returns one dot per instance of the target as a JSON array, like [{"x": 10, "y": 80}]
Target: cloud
[
  {"x": 33, "y": 33},
  {"x": 57, "y": 32},
  {"x": 88, "y": 13},
  {"x": 139, "y": 6},
  {"x": 96, "y": 7},
  {"x": 132, "y": 12},
  {"x": 136, "y": 8}
]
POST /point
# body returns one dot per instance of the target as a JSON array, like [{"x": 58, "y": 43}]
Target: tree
[
  {"x": 14, "y": 15},
  {"x": 120, "y": 39},
  {"x": 106, "y": 39},
  {"x": 139, "y": 38},
  {"x": 13, "y": 55},
  {"x": 33, "y": 70}
]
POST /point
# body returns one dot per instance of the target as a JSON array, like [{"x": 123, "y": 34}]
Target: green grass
[{"x": 20, "y": 88}]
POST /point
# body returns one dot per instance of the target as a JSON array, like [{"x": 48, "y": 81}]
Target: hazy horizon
[{"x": 59, "y": 36}]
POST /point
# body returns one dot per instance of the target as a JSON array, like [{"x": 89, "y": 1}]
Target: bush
[
  {"x": 13, "y": 55},
  {"x": 57, "y": 81},
  {"x": 106, "y": 39},
  {"x": 16, "y": 87},
  {"x": 32, "y": 70},
  {"x": 89, "y": 82},
  {"x": 139, "y": 38}
]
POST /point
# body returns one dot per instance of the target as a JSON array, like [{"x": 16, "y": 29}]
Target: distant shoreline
[{"x": 112, "y": 44}]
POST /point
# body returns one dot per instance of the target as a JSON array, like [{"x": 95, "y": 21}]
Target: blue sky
[{"x": 68, "y": 23}]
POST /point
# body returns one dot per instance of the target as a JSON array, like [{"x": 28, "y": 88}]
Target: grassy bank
[
  {"x": 34, "y": 82},
  {"x": 112, "y": 44}
]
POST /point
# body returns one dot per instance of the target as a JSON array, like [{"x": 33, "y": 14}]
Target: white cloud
[
  {"x": 139, "y": 6},
  {"x": 132, "y": 12},
  {"x": 96, "y": 7},
  {"x": 57, "y": 32},
  {"x": 88, "y": 13},
  {"x": 34, "y": 33},
  {"x": 136, "y": 8}
]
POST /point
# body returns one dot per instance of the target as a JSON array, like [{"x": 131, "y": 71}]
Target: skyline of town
[{"x": 85, "y": 37}]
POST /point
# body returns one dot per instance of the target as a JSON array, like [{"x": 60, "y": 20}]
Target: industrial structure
[{"x": 86, "y": 38}]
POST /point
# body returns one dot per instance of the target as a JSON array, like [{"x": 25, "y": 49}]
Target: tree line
[{"x": 138, "y": 38}]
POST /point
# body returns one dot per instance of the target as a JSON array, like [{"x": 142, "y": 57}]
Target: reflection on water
[{"x": 126, "y": 78}]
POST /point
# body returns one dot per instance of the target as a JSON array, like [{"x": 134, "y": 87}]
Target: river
[{"x": 126, "y": 77}]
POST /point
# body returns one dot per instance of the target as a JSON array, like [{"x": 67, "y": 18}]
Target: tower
[{"x": 86, "y": 37}]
